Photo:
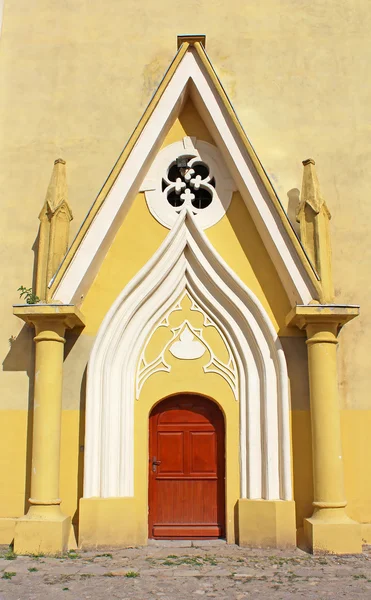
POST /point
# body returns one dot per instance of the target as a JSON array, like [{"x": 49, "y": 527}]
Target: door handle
[{"x": 155, "y": 463}]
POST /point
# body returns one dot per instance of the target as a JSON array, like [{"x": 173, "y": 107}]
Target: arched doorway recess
[
  {"x": 187, "y": 260},
  {"x": 186, "y": 469}
]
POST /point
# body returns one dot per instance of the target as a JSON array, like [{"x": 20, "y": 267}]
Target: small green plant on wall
[{"x": 28, "y": 295}]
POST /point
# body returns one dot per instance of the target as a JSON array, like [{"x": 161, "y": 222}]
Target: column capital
[
  {"x": 323, "y": 316},
  {"x": 48, "y": 316}
]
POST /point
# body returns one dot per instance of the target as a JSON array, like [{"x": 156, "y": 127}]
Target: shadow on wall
[
  {"x": 293, "y": 204},
  {"x": 302, "y": 468},
  {"x": 236, "y": 524},
  {"x": 80, "y": 466},
  {"x": 297, "y": 366},
  {"x": 21, "y": 357}
]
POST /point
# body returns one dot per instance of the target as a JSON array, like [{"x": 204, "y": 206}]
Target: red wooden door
[{"x": 186, "y": 469}]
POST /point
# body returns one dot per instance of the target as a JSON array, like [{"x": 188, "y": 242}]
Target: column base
[
  {"x": 340, "y": 536},
  {"x": 35, "y": 535},
  {"x": 266, "y": 523}
]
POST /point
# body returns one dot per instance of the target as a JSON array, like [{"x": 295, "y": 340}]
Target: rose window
[
  {"x": 189, "y": 183},
  {"x": 188, "y": 176}
]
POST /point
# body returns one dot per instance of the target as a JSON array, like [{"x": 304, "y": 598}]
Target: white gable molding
[
  {"x": 190, "y": 77},
  {"x": 187, "y": 261}
]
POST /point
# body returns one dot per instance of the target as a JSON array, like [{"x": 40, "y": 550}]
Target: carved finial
[
  {"x": 55, "y": 217},
  {"x": 310, "y": 191},
  {"x": 57, "y": 192},
  {"x": 313, "y": 216}
]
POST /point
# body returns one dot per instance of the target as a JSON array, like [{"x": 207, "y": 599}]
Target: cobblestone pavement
[{"x": 171, "y": 571}]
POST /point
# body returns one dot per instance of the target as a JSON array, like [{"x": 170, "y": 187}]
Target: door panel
[
  {"x": 171, "y": 450},
  {"x": 186, "y": 469},
  {"x": 202, "y": 450}
]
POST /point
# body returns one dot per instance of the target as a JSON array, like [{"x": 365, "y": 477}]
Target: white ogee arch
[{"x": 187, "y": 260}]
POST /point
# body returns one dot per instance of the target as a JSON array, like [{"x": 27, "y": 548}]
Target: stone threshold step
[{"x": 186, "y": 543}]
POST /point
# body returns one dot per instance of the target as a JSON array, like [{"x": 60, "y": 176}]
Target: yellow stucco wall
[{"x": 76, "y": 82}]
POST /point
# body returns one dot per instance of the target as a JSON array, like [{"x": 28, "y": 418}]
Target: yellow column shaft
[
  {"x": 47, "y": 415},
  {"x": 329, "y": 529},
  {"x": 325, "y": 417},
  {"x": 45, "y": 528}
]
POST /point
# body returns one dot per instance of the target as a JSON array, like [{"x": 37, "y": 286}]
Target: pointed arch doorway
[{"x": 186, "y": 469}]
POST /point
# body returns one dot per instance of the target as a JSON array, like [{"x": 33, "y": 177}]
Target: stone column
[
  {"x": 45, "y": 529},
  {"x": 329, "y": 529}
]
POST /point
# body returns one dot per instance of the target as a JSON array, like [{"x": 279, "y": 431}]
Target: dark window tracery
[{"x": 189, "y": 182}]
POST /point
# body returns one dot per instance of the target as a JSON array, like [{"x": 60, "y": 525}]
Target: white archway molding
[
  {"x": 187, "y": 342},
  {"x": 187, "y": 260}
]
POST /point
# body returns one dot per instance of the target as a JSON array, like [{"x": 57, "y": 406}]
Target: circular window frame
[{"x": 206, "y": 153}]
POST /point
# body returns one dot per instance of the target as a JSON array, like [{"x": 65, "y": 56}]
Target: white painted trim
[
  {"x": 187, "y": 261},
  {"x": 226, "y": 370},
  {"x": 189, "y": 346},
  {"x": 93, "y": 247}
]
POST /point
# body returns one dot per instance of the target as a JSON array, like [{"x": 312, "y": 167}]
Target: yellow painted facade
[{"x": 63, "y": 115}]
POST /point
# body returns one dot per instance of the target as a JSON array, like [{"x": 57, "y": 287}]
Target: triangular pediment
[{"x": 190, "y": 77}]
